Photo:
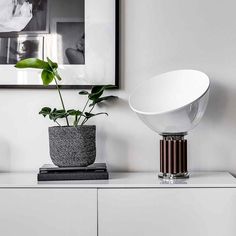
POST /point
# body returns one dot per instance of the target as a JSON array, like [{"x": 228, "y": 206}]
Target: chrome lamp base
[
  {"x": 174, "y": 176},
  {"x": 173, "y": 157}
]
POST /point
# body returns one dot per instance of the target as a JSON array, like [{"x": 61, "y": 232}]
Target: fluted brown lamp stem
[{"x": 173, "y": 157}]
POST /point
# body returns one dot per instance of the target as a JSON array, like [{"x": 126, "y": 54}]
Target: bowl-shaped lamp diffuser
[{"x": 172, "y": 104}]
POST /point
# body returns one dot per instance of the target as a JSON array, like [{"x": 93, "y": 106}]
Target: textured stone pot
[{"x": 72, "y": 146}]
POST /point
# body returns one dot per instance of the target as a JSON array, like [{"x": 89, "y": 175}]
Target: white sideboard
[{"x": 128, "y": 204}]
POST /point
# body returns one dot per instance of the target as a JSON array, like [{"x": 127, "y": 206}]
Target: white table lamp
[{"x": 172, "y": 104}]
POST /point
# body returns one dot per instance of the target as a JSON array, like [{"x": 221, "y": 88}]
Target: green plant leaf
[
  {"x": 57, "y": 114},
  {"x": 59, "y": 111},
  {"x": 51, "y": 115},
  {"x": 45, "y": 111},
  {"x": 71, "y": 112},
  {"x": 47, "y": 77},
  {"x": 52, "y": 64},
  {"x": 74, "y": 112},
  {"x": 90, "y": 115},
  {"x": 84, "y": 92},
  {"x": 33, "y": 63},
  {"x": 96, "y": 101},
  {"x": 98, "y": 90}
]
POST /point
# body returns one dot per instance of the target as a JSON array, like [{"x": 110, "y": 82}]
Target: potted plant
[{"x": 75, "y": 143}]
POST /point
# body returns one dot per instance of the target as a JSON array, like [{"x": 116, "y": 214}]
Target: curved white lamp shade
[{"x": 173, "y": 102}]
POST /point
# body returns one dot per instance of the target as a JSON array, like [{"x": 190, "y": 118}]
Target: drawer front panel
[
  {"x": 152, "y": 212},
  {"x": 48, "y": 212}
]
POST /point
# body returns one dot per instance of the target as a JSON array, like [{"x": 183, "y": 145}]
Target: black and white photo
[
  {"x": 71, "y": 42},
  {"x": 21, "y": 16},
  {"x": 26, "y": 47},
  {"x": 19, "y": 48},
  {"x": 4, "y": 50}
]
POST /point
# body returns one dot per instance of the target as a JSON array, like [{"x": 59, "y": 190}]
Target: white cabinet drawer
[
  {"x": 48, "y": 212},
  {"x": 180, "y": 212}
]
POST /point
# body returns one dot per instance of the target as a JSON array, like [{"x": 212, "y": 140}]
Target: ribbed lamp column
[{"x": 173, "y": 157}]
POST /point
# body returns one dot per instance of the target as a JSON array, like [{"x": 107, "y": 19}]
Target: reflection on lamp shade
[{"x": 173, "y": 102}]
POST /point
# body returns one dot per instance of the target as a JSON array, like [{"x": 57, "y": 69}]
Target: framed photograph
[
  {"x": 24, "y": 17},
  {"x": 70, "y": 41},
  {"x": 15, "y": 49},
  {"x": 82, "y": 36}
]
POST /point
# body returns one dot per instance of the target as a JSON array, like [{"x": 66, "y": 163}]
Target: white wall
[{"x": 157, "y": 36}]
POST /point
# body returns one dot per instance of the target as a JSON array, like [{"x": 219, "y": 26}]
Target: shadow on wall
[
  {"x": 5, "y": 156},
  {"x": 119, "y": 151},
  {"x": 234, "y": 175},
  {"x": 217, "y": 129},
  {"x": 111, "y": 137},
  {"x": 218, "y": 101}
]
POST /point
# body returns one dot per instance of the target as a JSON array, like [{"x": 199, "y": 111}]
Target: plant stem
[
  {"x": 58, "y": 123},
  {"x": 77, "y": 122},
  {"x": 85, "y": 119},
  {"x": 62, "y": 102}
]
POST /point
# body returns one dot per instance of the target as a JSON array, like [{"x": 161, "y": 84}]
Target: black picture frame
[{"x": 116, "y": 66}]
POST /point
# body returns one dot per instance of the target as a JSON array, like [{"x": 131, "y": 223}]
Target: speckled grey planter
[{"x": 72, "y": 146}]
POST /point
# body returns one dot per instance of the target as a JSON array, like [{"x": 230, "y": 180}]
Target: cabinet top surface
[{"x": 123, "y": 180}]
